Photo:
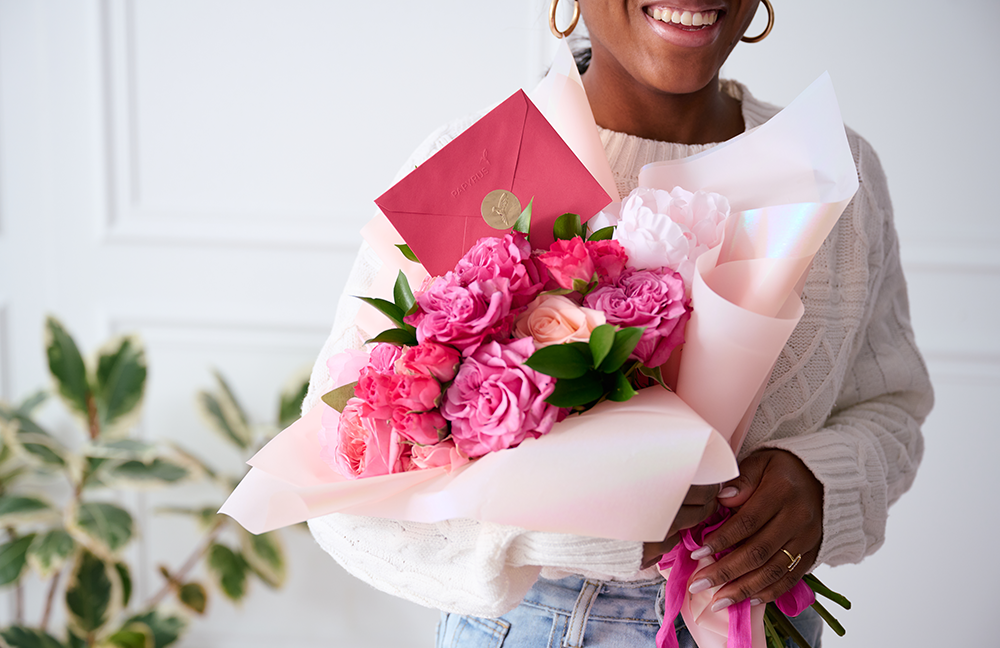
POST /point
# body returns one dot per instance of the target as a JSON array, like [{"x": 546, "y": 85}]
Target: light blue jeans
[{"x": 579, "y": 613}]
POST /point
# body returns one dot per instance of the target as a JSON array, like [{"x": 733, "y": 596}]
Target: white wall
[{"x": 197, "y": 171}]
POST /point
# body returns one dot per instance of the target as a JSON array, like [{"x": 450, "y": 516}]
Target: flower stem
[
  {"x": 49, "y": 600},
  {"x": 189, "y": 564}
]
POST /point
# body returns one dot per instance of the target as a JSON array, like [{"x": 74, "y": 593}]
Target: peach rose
[{"x": 554, "y": 319}]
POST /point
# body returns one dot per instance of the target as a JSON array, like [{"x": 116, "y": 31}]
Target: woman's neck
[{"x": 701, "y": 117}]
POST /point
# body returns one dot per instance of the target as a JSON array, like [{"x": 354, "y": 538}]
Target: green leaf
[
  {"x": 821, "y": 589},
  {"x": 397, "y": 336},
  {"x": 601, "y": 340},
  {"x": 193, "y": 596},
  {"x": 67, "y": 368},
  {"x": 656, "y": 373},
  {"x": 134, "y": 635},
  {"x": 32, "y": 402},
  {"x": 222, "y": 417},
  {"x": 559, "y": 361},
  {"x": 567, "y": 226},
  {"x": 17, "y": 509},
  {"x": 230, "y": 571},
  {"x": 624, "y": 344},
  {"x": 123, "y": 449},
  {"x": 402, "y": 294},
  {"x": 125, "y": 578},
  {"x": 265, "y": 556},
  {"x": 337, "y": 398},
  {"x": 120, "y": 381},
  {"x": 577, "y": 392},
  {"x": 523, "y": 223},
  {"x": 40, "y": 446},
  {"x": 73, "y": 641},
  {"x": 157, "y": 472},
  {"x": 206, "y": 516},
  {"x": 584, "y": 287},
  {"x": 603, "y": 234},
  {"x": 166, "y": 629},
  {"x": 22, "y": 637},
  {"x": 290, "y": 402},
  {"x": 387, "y": 308},
  {"x": 110, "y": 526},
  {"x": 13, "y": 558},
  {"x": 408, "y": 253},
  {"x": 50, "y": 552},
  {"x": 621, "y": 389},
  {"x": 88, "y": 596}
]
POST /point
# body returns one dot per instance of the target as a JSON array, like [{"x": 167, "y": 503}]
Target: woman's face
[{"x": 667, "y": 46}]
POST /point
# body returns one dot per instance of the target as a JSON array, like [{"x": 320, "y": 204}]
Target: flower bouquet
[{"x": 525, "y": 382}]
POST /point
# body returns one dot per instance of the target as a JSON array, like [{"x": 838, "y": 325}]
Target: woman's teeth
[{"x": 685, "y": 18}]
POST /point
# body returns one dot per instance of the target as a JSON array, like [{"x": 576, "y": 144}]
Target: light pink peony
[
  {"x": 497, "y": 401},
  {"x": 430, "y": 359},
  {"x": 463, "y": 316},
  {"x": 653, "y": 299},
  {"x": 346, "y": 367},
  {"x": 423, "y": 428},
  {"x": 358, "y": 446},
  {"x": 440, "y": 454},
  {"x": 568, "y": 260},
  {"x": 659, "y": 228},
  {"x": 554, "y": 319},
  {"x": 384, "y": 356},
  {"x": 507, "y": 258}
]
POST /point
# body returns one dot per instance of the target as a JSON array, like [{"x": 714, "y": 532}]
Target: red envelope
[{"x": 437, "y": 207}]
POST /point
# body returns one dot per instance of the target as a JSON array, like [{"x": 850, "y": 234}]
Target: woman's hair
[{"x": 581, "y": 54}]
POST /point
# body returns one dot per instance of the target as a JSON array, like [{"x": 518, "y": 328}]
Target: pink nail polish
[
  {"x": 755, "y": 602},
  {"x": 722, "y": 604},
  {"x": 701, "y": 552},
  {"x": 699, "y": 586},
  {"x": 728, "y": 491}
]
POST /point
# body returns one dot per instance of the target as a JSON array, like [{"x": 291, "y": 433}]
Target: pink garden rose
[
  {"x": 416, "y": 393},
  {"x": 384, "y": 356},
  {"x": 463, "y": 316},
  {"x": 568, "y": 260},
  {"x": 422, "y": 428},
  {"x": 554, "y": 319},
  {"x": 507, "y": 258},
  {"x": 440, "y": 454},
  {"x": 653, "y": 299},
  {"x": 376, "y": 390},
  {"x": 609, "y": 258},
  {"x": 497, "y": 401},
  {"x": 430, "y": 359},
  {"x": 358, "y": 446}
]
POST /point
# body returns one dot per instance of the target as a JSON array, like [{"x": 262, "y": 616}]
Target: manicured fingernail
[
  {"x": 755, "y": 602},
  {"x": 699, "y": 586},
  {"x": 728, "y": 491},
  {"x": 721, "y": 604},
  {"x": 701, "y": 552}
]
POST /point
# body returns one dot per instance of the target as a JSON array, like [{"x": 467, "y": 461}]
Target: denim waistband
[{"x": 610, "y": 600}]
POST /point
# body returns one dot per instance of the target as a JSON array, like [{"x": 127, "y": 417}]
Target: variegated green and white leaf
[
  {"x": 230, "y": 571},
  {"x": 13, "y": 558},
  {"x": 119, "y": 384},
  {"x": 18, "y": 509},
  {"x": 266, "y": 556},
  {"x": 122, "y": 449},
  {"x": 223, "y": 414},
  {"x": 104, "y": 527},
  {"x": 90, "y": 594},
  {"x": 290, "y": 402},
  {"x": 134, "y": 635},
  {"x": 193, "y": 596},
  {"x": 34, "y": 444},
  {"x": 166, "y": 629},
  {"x": 206, "y": 516},
  {"x": 68, "y": 371},
  {"x": 50, "y": 551},
  {"x": 23, "y": 637},
  {"x": 143, "y": 475}
]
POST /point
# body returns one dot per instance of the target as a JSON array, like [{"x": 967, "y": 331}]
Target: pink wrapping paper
[{"x": 624, "y": 481}]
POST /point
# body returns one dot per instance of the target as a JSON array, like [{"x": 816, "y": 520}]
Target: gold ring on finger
[{"x": 795, "y": 560}]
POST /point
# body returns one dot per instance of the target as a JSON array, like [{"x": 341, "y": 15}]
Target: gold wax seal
[{"x": 501, "y": 209}]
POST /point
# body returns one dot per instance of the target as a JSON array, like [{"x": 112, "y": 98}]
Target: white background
[{"x": 197, "y": 171}]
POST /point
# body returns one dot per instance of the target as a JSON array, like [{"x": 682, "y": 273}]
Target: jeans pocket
[{"x": 457, "y": 631}]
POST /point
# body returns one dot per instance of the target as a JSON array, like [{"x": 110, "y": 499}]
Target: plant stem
[
  {"x": 94, "y": 424},
  {"x": 189, "y": 564},
  {"x": 49, "y": 599}
]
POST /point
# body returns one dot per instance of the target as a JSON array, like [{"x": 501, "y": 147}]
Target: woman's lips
[
  {"x": 683, "y": 17},
  {"x": 684, "y": 27}
]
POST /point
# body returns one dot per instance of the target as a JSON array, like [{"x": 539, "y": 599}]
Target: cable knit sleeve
[
  {"x": 461, "y": 566},
  {"x": 851, "y": 390}
]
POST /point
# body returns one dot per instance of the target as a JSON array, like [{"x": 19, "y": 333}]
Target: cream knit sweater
[{"x": 847, "y": 396}]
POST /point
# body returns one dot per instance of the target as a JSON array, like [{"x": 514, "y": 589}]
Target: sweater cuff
[
  {"x": 848, "y": 533},
  {"x": 614, "y": 558}
]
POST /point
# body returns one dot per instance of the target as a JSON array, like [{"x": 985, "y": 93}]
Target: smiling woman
[{"x": 836, "y": 437}]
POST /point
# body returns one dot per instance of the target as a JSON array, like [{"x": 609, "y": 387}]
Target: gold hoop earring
[
  {"x": 572, "y": 24},
  {"x": 767, "y": 30}
]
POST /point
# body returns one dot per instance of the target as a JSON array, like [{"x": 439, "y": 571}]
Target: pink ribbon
[{"x": 682, "y": 567}]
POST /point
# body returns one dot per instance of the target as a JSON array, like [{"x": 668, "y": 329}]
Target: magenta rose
[
  {"x": 609, "y": 259},
  {"x": 496, "y": 400},
  {"x": 653, "y": 299},
  {"x": 357, "y": 445},
  {"x": 423, "y": 428},
  {"x": 568, "y": 260},
  {"x": 507, "y": 258},
  {"x": 376, "y": 390},
  {"x": 415, "y": 393},
  {"x": 430, "y": 359},
  {"x": 463, "y": 316}
]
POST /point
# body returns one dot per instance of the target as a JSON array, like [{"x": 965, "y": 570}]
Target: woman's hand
[
  {"x": 779, "y": 508},
  {"x": 700, "y": 502}
]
